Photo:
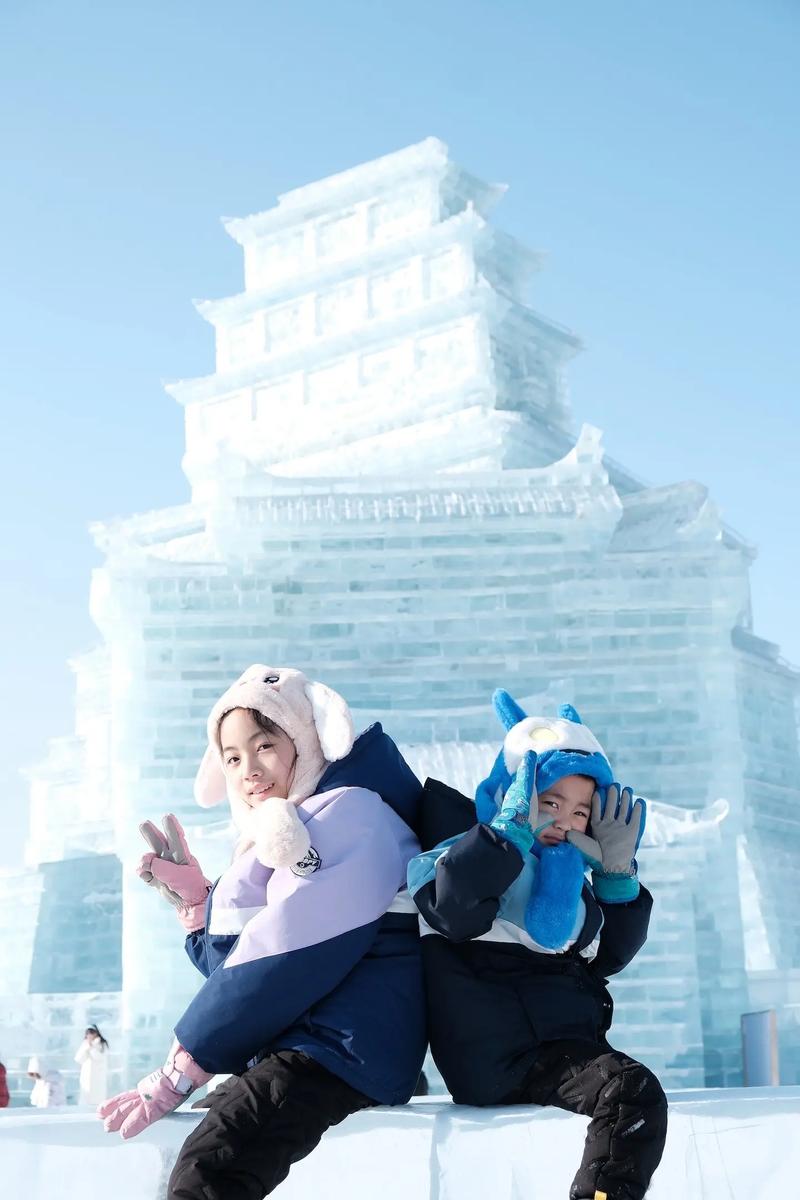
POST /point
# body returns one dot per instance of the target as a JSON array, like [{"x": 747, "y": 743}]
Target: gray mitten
[{"x": 617, "y": 825}]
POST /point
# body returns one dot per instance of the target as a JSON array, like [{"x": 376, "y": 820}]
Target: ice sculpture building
[{"x": 387, "y": 490}]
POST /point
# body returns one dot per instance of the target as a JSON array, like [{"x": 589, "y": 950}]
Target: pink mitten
[
  {"x": 173, "y": 869},
  {"x": 154, "y": 1096}
]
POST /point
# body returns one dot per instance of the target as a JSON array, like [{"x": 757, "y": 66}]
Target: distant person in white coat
[
  {"x": 92, "y": 1056},
  {"x": 48, "y": 1086}
]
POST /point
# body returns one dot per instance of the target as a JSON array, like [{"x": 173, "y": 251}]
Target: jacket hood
[{"x": 376, "y": 763}]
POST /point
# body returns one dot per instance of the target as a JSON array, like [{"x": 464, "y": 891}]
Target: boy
[{"x": 517, "y": 946}]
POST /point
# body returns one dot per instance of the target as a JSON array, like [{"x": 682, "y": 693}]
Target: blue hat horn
[{"x": 507, "y": 709}]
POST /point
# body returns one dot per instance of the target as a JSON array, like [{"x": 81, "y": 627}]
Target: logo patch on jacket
[{"x": 308, "y": 864}]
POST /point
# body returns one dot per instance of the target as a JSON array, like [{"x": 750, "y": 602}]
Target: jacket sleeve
[
  {"x": 207, "y": 950},
  {"x": 623, "y": 934},
  {"x": 457, "y": 886},
  {"x": 195, "y": 947},
  {"x": 281, "y": 964},
  {"x": 4, "y": 1097}
]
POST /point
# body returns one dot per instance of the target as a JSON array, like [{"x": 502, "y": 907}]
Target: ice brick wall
[{"x": 78, "y": 943}]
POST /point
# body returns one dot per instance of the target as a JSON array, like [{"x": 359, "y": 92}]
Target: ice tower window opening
[
  {"x": 392, "y": 361},
  {"x": 280, "y": 396},
  {"x": 340, "y": 236},
  {"x": 333, "y": 383},
  {"x": 290, "y": 325},
  {"x": 342, "y": 308},
  {"x": 403, "y": 214},
  {"x": 396, "y": 289},
  {"x": 447, "y": 273},
  {"x": 269, "y": 261}
]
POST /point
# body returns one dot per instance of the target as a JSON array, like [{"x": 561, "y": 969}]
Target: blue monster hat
[{"x": 564, "y": 745}]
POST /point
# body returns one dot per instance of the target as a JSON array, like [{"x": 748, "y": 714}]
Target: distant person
[
  {"x": 4, "y": 1098},
  {"x": 313, "y": 995},
  {"x": 92, "y": 1055},
  {"x": 518, "y": 945},
  {"x": 48, "y": 1086}
]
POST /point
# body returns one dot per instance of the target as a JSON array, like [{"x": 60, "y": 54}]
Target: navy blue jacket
[
  {"x": 328, "y": 964},
  {"x": 492, "y": 999}
]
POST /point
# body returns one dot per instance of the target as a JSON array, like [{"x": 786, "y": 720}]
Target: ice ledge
[
  {"x": 740, "y": 1144},
  {"x": 429, "y": 157}
]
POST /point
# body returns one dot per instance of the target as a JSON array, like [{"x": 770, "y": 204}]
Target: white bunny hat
[{"x": 315, "y": 717}]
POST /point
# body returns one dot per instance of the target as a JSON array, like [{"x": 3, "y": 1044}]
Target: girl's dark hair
[
  {"x": 265, "y": 723},
  {"x": 94, "y": 1029},
  {"x": 261, "y": 721}
]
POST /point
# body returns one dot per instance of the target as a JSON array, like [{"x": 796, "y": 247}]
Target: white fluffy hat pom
[{"x": 280, "y": 837}]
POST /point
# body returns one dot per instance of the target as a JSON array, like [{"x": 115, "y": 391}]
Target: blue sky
[{"x": 651, "y": 150}]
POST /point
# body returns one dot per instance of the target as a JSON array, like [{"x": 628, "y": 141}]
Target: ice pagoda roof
[
  {"x": 429, "y": 158},
  {"x": 656, "y": 518},
  {"x": 463, "y": 226},
  {"x": 766, "y": 651},
  {"x": 659, "y": 517},
  {"x": 481, "y": 298},
  {"x": 149, "y": 528},
  {"x": 575, "y": 485}
]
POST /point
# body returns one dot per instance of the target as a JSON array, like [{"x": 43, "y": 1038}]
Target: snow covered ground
[{"x": 735, "y": 1144}]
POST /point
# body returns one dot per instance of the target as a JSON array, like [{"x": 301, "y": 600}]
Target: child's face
[
  {"x": 257, "y": 765},
  {"x": 569, "y": 802}
]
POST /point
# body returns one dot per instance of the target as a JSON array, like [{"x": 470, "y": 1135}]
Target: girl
[
  {"x": 92, "y": 1055},
  {"x": 313, "y": 992}
]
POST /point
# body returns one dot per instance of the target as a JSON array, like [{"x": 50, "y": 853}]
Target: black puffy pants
[
  {"x": 270, "y": 1117},
  {"x": 628, "y": 1110}
]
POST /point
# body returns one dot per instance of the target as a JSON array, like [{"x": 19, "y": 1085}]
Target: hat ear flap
[
  {"x": 209, "y": 782},
  {"x": 507, "y": 709},
  {"x": 568, "y": 713},
  {"x": 332, "y": 719}
]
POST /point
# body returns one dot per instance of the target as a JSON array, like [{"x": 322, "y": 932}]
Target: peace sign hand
[{"x": 173, "y": 870}]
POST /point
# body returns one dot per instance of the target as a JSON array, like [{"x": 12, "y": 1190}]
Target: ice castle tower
[{"x": 387, "y": 491}]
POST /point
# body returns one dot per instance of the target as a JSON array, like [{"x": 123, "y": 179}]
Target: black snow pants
[
  {"x": 263, "y": 1121},
  {"x": 627, "y": 1106}
]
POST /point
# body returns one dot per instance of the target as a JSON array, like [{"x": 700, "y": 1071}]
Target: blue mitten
[
  {"x": 553, "y": 905},
  {"x": 513, "y": 821},
  {"x": 617, "y": 825}
]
